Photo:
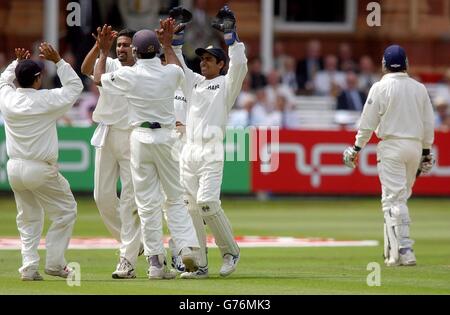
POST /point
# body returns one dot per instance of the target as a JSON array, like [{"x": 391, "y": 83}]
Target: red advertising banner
[{"x": 310, "y": 162}]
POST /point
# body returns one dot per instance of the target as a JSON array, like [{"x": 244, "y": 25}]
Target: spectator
[
  {"x": 330, "y": 81},
  {"x": 275, "y": 87},
  {"x": 445, "y": 126},
  {"x": 251, "y": 114},
  {"x": 258, "y": 79},
  {"x": 443, "y": 89},
  {"x": 308, "y": 67},
  {"x": 289, "y": 77},
  {"x": 346, "y": 61},
  {"x": 367, "y": 75},
  {"x": 245, "y": 91},
  {"x": 280, "y": 57},
  {"x": 282, "y": 116},
  {"x": 441, "y": 113},
  {"x": 351, "y": 98}
]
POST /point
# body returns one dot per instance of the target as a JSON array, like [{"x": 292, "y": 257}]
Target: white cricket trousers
[
  {"x": 39, "y": 187},
  {"x": 398, "y": 161},
  {"x": 154, "y": 163},
  {"x": 112, "y": 161},
  {"x": 201, "y": 174}
]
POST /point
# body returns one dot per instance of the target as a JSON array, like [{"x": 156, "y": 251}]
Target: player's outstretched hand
[
  {"x": 350, "y": 157},
  {"x": 105, "y": 38},
  {"x": 22, "y": 53},
  {"x": 49, "y": 53},
  {"x": 165, "y": 33},
  {"x": 225, "y": 22}
]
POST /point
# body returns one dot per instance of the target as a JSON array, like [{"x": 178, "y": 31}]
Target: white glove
[
  {"x": 350, "y": 157},
  {"x": 426, "y": 163}
]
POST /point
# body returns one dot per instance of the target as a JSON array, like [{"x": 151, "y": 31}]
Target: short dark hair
[
  {"x": 27, "y": 72},
  {"x": 127, "y": 33}
]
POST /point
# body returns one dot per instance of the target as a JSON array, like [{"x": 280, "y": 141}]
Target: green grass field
[{"x": 261, "y": 271}]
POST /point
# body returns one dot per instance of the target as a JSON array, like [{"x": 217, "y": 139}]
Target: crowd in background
[{"x": 267, "y": 99}]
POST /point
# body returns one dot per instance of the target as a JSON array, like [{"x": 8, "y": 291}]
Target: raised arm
[
  {"x": 165, "y": 35},
  {"x": 87, "y": 68},
  {"x": 8, "y": 76},
  {"x": 62, "y": 98},
  {"x": 106, "y": 37},
  {"x": 226, "y": 22},
  {"x": 182, "y": 19}
]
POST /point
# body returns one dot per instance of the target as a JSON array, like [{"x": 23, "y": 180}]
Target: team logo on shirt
[
  {"x": 180, "y": 98},
  {"x": 213, "y": 87},
  {"x": 112, "y": 77}
]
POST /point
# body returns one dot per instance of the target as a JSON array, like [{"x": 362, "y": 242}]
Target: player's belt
[{"x": 151, "y": 125}]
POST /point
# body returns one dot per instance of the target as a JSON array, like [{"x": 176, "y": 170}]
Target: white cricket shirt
[
  {"x": 149, "y": 88},
  {"x": 30, "y": 115},
  {"x": 397, "y": 107},
  {"x": 210, "y": 101},
  {"x": 111, "y": 110}
]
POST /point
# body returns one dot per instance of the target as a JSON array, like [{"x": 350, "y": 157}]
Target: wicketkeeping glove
[
  {"x": 225, "y": 22},
  {"x": 426, "y": 162},
  {"x": 182, "y": 17},
  {"x": 350, "y": 156}
]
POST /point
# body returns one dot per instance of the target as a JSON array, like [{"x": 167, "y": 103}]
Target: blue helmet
[{"x": 395, "y": 59}]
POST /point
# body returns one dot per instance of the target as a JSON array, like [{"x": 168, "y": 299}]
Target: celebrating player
[
  {"x": 112, "y": 159},
  {"x": 399, "y": 110},
  {"x": 210, "y": 98},
  {"x": 32, "y": 146},
  {"x": 149, "y": 88}
]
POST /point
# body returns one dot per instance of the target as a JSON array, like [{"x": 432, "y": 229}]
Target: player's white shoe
[
  {"x": 407, "y": 258},
  {"x": 63, "y": 273},
  {"x": 177, "y": 264},
  {"x": 201, "y": 273},
  {"x": 124, "y": 270},
  {"x": 31, "y": 275},
  {"x": 158, "y": 268},
  {"x": 229, "y": 264},
  {"x": 189, "y": 258}
]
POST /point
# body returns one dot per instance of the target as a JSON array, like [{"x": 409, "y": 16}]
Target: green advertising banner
[
  {"x": 77, "y": 155},
  {"x": 76, "y": 158}
]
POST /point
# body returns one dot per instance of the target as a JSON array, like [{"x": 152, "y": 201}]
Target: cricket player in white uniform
[
  {"x": 149, "y": 88},
  {"x": 179, "y": 104},
  {"x": 112, "y": 160},
  {"x": 30, "y": 118},
  {"x": 399, "y": 110},
  {"x": 210, "y": 97}
]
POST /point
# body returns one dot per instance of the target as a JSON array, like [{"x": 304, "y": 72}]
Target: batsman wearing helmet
[
  {"x": 210, "y": 97},
  {"x": 399, "y": 110}
]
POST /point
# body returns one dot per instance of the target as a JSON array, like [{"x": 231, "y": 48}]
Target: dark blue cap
[
  {"x": 395, "y": 58},
  {"x": 146, "y": 42},
  {"x": 216, "y": 52}
]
